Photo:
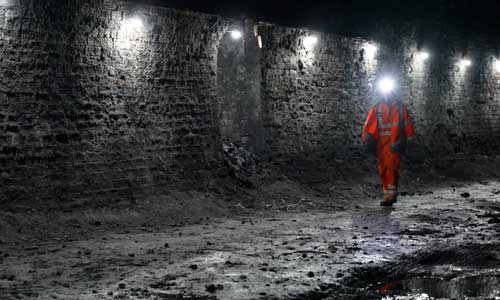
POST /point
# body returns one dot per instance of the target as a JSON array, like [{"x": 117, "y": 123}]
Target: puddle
[
  {"x": 458, "y": 273},
  {"x": 481, "y": 285}
]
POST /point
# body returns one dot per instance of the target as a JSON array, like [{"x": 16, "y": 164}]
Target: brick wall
[
  {"x": 315, "y": 99},
  {"x": 95, "y": 105}
]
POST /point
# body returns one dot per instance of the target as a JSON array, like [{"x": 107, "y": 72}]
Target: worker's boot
[{"x": 386, "y": 203}]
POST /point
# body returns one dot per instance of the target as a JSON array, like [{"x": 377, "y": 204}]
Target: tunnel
[{"x": 156, "y": 149}]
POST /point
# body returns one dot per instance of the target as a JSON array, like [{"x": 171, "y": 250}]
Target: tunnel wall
[
  {"x": 316, "y": 98},
  {"x": 93, "y": 111},
  {"x": 95, "y": 106}
]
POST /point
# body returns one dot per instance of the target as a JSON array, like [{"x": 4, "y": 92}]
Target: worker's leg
[
  {"x": 389, "y": 164},
  {"x": 391, "y": 178}
]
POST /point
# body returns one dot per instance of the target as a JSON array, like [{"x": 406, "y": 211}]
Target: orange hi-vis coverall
[{"x": 390, "y": 125}]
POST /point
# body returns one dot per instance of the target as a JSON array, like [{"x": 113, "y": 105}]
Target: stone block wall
[
  {"x": 105, "y": 100},
  {"x": 316, "y": 98}
]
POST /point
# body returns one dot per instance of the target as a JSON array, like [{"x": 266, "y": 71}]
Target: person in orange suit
[{"x": 387, "y": 130}]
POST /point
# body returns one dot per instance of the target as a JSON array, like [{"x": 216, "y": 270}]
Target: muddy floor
[{"x": 295, "y": 242}]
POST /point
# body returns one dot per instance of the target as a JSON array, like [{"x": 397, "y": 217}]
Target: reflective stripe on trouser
[{"x": 388, "y": 166}]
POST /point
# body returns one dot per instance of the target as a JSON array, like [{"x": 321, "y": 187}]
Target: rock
[
  {"x": 166, "y": 245},
  {"x": 212, "y": 288},
  {"x": 332, "y": 248},
  {"x": 110, "y": 293},
  {"x": 131, "y": 255},
  {"x": 465, "y": 195},
  {"x": 97, "y": 223},
  {"x": 122, "y": 286},
  {"x": 193, "y": 267},
  {"x": 243, "y": 165},
  {"x": 494, "y": 220},
  {"x": 310, "y": 274}
]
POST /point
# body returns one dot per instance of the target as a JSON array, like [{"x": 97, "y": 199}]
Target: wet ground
[{"x": 439, "y": 243}]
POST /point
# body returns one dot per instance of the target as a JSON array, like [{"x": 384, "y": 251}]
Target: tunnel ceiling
[{"x": 358, "y": 17}]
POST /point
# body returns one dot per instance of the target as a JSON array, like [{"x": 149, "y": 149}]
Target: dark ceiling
[{"x": 356, "y": 17}]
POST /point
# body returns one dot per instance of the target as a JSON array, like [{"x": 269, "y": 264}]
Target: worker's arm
[
  {"x": 409, "y": 127},
  {"x": 370, "y": 128},
  {"x": 370, "y": 132}
]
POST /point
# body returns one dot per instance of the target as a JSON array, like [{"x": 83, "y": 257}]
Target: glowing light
[
  {"x": 259, "y": 39},
  {"x": 496, "y": 65},
  {"x": 130, "y": 32},
  {"x": 371, "y": 51},
  {"x": 132, "y": 24},
  {"x": 423, "y": 55},
  {"x": 464, "y": 63},
  {"x": 386, "y": 85},
  {"x": 236, "y": 34},
  {"x": 310, "y": 41}
]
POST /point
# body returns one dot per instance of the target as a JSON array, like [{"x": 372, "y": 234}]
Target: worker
[{"x": 386, "y": 133}]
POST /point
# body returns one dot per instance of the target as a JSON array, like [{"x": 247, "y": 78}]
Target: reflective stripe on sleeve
[{"x": 390, "y": 125}]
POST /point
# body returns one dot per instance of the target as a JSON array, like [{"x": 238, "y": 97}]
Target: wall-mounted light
[
  {"x": 310, "y": 41},
  {"x": 496, "y": 65},
  {"x": 131, "y": 29},
  {"x": 236, "y": 34},
  {"x": 259, "y": 40},
  {"x": 423, "y": 55},
  {"x": 370, "y": 51},
  {"x": 386, "y": 85},
  {"x": 132, "y": 24},
  {"x": 464, "y": 63}
]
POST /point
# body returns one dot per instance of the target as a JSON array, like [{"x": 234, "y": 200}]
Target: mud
[{"x": 284, "y": 240}]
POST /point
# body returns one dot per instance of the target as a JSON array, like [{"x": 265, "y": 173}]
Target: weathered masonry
[{"x": 104, "y": 99}]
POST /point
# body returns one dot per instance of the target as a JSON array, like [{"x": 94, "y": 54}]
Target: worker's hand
[
  {"x": 399, "y": 147},
  {"x": 370, "y": 144}
]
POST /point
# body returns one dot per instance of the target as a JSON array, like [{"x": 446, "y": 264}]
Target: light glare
[
  {"x": 133, "y": 24},
  {"x": 371, "y": 51},
  {"x": 423, "y": 55},
  {"x": 386, "y": 85},
  {"x": 310, "y": 41},
  {"x": 259, "y": 39},
  {"x": 236, "y": 34},
  {"x": 464, "y": 63},
  {"x": 496, "y": 65}
]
